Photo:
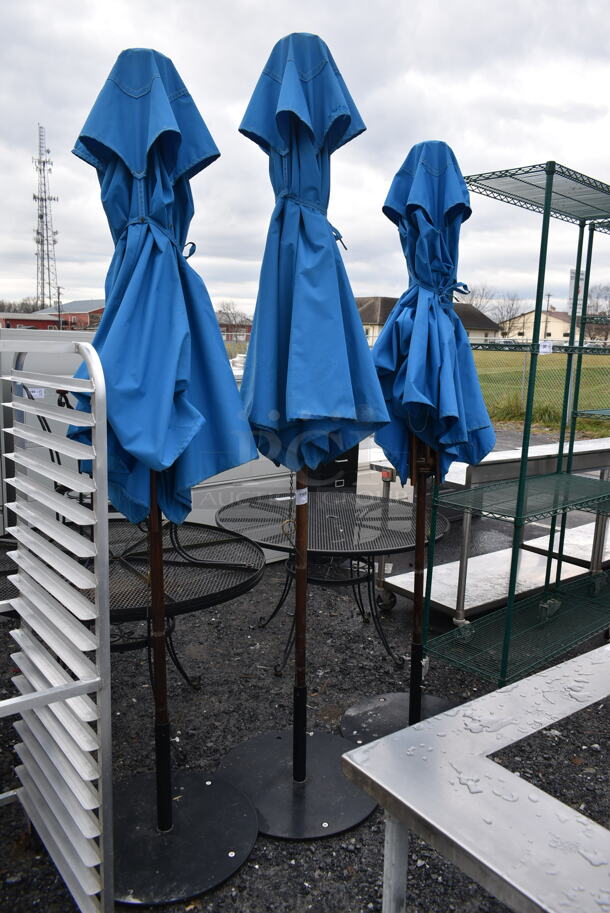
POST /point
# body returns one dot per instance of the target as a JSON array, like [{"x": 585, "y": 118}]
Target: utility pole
[
  {"x": 59, "y": 290},
  {"x": 546, "y": 319},
  {"x": 44, "y": 235}
]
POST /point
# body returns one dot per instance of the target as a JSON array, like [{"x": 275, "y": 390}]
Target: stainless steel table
[
  {"x": 501, "y": 465},
  {"x": 531, "y": 851}
]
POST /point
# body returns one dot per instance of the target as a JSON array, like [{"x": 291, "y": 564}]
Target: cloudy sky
[{"x": 504, "y": 82}]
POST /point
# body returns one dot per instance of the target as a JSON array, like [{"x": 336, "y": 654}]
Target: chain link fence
[{"x": 504, "y": 378}]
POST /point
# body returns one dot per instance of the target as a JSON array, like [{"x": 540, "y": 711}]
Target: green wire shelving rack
[{"x": 526, "y": 633}]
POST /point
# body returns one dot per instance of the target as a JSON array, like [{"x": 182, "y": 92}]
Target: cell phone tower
[{"x": 47, "y": 291}]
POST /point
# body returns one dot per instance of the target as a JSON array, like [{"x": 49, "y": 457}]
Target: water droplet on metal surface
[
  {"x": 507, "y": 796},
  {"x": 593, "y": 856}
]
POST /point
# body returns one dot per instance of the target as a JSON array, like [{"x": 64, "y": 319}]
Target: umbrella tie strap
[
  {"x": 147, "y": 220},
  {"x": 309, "y": 204},
  {"x": 445, "y": 292},
  {"x": 338, "y": 236}
]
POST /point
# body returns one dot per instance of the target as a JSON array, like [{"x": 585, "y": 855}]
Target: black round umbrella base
[
  {"x": 214, "y": 830},
  {"x": 324, "y": 804},
  {"x": 375, "y": 717}
]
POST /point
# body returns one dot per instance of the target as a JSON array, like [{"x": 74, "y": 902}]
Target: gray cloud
[{"x": 505, "y": 84}]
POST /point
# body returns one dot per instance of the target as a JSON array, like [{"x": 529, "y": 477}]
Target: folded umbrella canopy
[
  {"x": 309, "y": 389},
  {"x": 174, "y": 419},
  {"x": 309, "y": 385},
  {"x": 173, "y": 404},
  {"x": 422, "y": 355}
]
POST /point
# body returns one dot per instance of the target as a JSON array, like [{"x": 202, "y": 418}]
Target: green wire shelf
[
  {"x": 575, "y": 196},
  {"x": 594, "y": 413},
  {"x": 545, "y": 496},
  {"x": 543, "y": 627}
]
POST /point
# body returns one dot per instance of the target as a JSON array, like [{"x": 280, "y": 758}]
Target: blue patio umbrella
[
  {"x": 174, "y": 419},
  {"x": 309, "y": 388},
  {"x": 309, "y": 385},
  {"x": 423, "y": 357},
  {"x": 173, "y": 404}
]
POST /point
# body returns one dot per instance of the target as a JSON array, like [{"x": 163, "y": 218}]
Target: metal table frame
[
  {"x": 361, "y": 536},
  {"x": 220, "y": 567},
  {"x": 436, "y": 778},
  {"x": 502, "y": 465}
]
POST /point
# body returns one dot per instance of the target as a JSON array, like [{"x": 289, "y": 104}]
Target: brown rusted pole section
[
  {"x": 162, "y": 733},
  {"x": 299, "y": 748}
]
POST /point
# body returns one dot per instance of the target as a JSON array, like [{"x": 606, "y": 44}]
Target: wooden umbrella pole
[
  {"x": 423, "y": 464},
  {"x": 162, "y": 733},
  {"x": 299, "y": 748}
]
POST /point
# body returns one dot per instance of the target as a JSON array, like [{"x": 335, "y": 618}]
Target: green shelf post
[
  {"x": 577, "y": 375},
  {"x": 566, "y": 397},
  {"x": 529, "y": 406}
]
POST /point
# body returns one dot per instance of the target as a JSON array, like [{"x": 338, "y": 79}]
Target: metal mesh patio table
[{"x": 346, "y": 532}]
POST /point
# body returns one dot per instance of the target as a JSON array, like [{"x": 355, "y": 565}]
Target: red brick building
[{"x": 75, "y": 315}]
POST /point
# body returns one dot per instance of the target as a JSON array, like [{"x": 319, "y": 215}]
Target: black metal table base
[
  {"x": 325, "y": 803},
  {"x": 214, "y": 830},
  {"x": 358, "y": 572},
  {"x": 375, "y": 717}
]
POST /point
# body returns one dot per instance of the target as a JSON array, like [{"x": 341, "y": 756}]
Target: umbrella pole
[
  {"x": 423, "y": 465},
  {"x": 162, "y": 733},
  {"x": 299, "y": 748},
  {"x": 194, "y": 844},
  {"x": 373, "y": 718},
  {"x": 311, "y": 797}
]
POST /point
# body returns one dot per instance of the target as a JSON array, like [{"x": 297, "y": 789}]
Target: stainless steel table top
[{"x": 527, "y": 848}]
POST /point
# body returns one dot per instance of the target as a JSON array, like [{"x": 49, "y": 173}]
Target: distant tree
[
  {"x": 25, "y": 306},
  {"x": 506, "y": 311},
  {"x": 598, "y": 304},
  {"x": 483, "y": 298},
  {"x": 599, "y": 299},
  {"x": 229, "y": 314}
]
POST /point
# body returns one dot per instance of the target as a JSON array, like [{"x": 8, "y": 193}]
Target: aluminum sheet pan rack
[{"x": 58, "y": 518}]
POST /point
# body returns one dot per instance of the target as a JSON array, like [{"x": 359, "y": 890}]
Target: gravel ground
[{"x": 241, "y": 697}]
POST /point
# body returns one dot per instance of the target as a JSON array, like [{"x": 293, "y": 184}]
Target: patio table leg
[
  {"x": 395, "y": 864},
  {"x": 459, "y": 615}
]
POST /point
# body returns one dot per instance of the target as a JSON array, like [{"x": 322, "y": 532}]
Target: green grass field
[{"x": 504, "y": 377}]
